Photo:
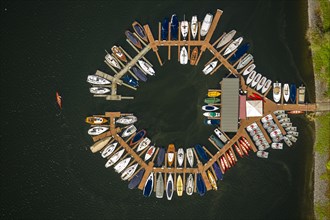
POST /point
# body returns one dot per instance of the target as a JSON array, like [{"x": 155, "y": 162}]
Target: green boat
[{"x": 211, "y": 100}]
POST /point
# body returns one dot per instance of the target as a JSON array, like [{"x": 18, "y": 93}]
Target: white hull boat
[
  {"x": 160, "y": 186},
  {"x": 251, "y": 127},
  {"x": 143, "y": 144},
  {"x": 279, "y": 112},
  {"x": 287, "y": 141},
  {"x": 251, "y": 77},
  {"x": 112, "y": 61},
  {"x": 286, "y": 92},
  {"x": 183, "y": 56},
  {"x": 293, "y": 133},
  {"x": 278, "y": 146},
  {"x": 99, "y": 90},
  {"x": 277, "y": 91},
  {"x": 180, "y": 156},
  {"x": 126, "y": 120},
  {"x": 249, "y": 69},
  {"x": 245, "y": 61},
  {"x": 129, "y": 131},
  {"x": 210, "y": 115},
  {"x": 169, "y": 187},
  {"x": 291, "y": 129},
  {"x": 194, "y": 26},
  {"x": 281, "y": 116},
  {"x": 284, "y": 120},
  {"x": 190, "y": 157},
  {"x": 149, "y": 153},
  {"x": 170, "y": 157},
  {"x": 256, "y": 80},
  {"x": 122, "y": 165},
  {"x": 114, "y": 158},
  {"x": 206, "y": 24},
  {"x": 146, "y": 67},
  {"x": 209, "y": 108},
  {"x": 96, "y": 80},
  {"x": 267, "y": 85},
  {"x": 233, "y": 46},
  {"x": 292, "y": 138},
  {"x": 129, "y": 172},
  {"x": 108, "y": 150},
  {"x": 266, "y": 118},
  {"x": 190, "y": 185},
  {"x": 209, "y": 68},
  {"x": 184, "y": 29},
  {"x": 97, "y": 130},
  {"x": 286, "y": 125},
  {"x": 261, "y": 83},
  {"x": 262, "y": 154},
  {"x": 226, "y": 38}
]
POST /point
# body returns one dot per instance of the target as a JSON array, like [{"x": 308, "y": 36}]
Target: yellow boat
[
  {"x": 212, "y": 180},
  {"x": 179, "y": 186},
  {"x": 94, "y": 120},
  {"x": 194, "y": 55},
  {"x": 213, "y": 94},
  {"x": 170, "y": 154}
]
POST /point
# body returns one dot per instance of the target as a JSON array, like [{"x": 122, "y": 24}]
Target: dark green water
[{"x": 47, "y": 170}]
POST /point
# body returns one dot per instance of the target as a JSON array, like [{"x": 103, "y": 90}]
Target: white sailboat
[
  {"x": 256, "y": 80},
  {"x": 129, "y": 172},
  {"x": 206, "y": 24},
  {"x": 249, "y": 69},
  {"x": 126, "y": 120},
  {"x": 108, "y": 150},
  {"x": 99, "y": 90},
  {"x": 245, "y": 61},
  {"x": 251, "y": 77},
  {"x": 233, "y": 46},
  {"x": 97, "y": 130},
  {"x": 261, "y": 83},
  {"x": 190, "y": 156},
  {"x": 143, "y": 144},
  {"x": 226, "y": 38},
  {"x": 209, "y": 68},
  {"x": 146, "y": 67},
  {"x": 183, "y": 56},
  {"x": 114, "y": 158},
  {"x": 129, "y": 131},
  {"x": 180, "y": 156},
  {"x": 190, "y": 185},
  {"x": 122, "y": 165},
  {"x": 267, "y": 85},
  {"x": 111, "y": 60},
  {"x": 194, "y": 26},
  {"x": 184, "y": 28},
  {"x": 96, "y": 80},
  {"x": 286, "y": 92}
]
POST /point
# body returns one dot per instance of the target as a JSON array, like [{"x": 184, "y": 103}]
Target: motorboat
[
  {"x": 183, "y": 56},
  {"x": 251, "y": 77},
  {"x": 95, "y": 120},
  {"x": 164, "y": 31},
  {"x": 212, "y": 180},
  {"x": 266, "y": 118},
  {"x": 211, "y": 114},
  {"x": 97, "y": 130},
  {"x": 126, "y": 120},
  {"x": 180, "y": 156},
  {"x": 139, "y": 30},
  {"x": 213, "y": 94},
  {"x": 146, "y": 67},
  {"x": 99, "y": 90},
  {"x": 190, "y": 156},
  {"x": 209, "y": 68},
  {"x": 278, "y": 146},
  {"x": 206, "y": 24},
  {"x": 211, "y": 100},
  {"x": 301, "y": 94},
  {"x": 160, "y": 186},
  {"x": 138, "y": 136},
  {"x": 286, "y": 92},
  {"x": 99, "y": 145},
  {"x": 226, "y": 38},
  {"x": 174, "y": 27},
  {"x": 111, "y": 60},
  {"x": 239, "y": 52},
  {"x": 293, "y": 92},
  {"x": 217, "y": 171},
  {"x": 201, "y": 153},
  {"x": 129, "y": 131},
  {"x": 194, "y": 56},
  {"x": 114, "y": 158},
  {"x": 277, "y": 91},
  {"x": 136, "y": 179},
  {"x": 149, "y": 153},
  {"x": 201, "y": 189},
  {"x": 209, "y": 108},
  {"x": 129, "y": 172},
  {"x": 169, "y": 187},
  {"x": 262, "y": 154},
  {"x": 96, "y": 80},
  {"x": 134, "y": 40},
  {"x": 194, "y": 26},
  {"x": 256, "y": 80},
  {"x": 267, "y": 86},
  {"x": 143, "y": 144},
  {"x": 190, "y": 185},
  {"x": 245, "y": 61},
  {"x": 170, "y": 154},
  {"x": 233, "y": 46},
  {"x": 130, "y": 81},
  {"x": 261, "y": 83},
  {"x": 109, "y": 149},
  {"x": 212, "y": 121},
  {"x": 160, "y": 157},
  {"x": 149, "y": 185},
  {"x": 139, "y": 74},
  {"x": 217, "y": 141},
  {"x": 184, "y": 28},
  {"x": 179, "y": 186},
  {"x": 249, "y": 69},
  {"x": 122, "y": 165},
  {"x": 119, "y": 53},
  {"x": 220, "y": 135}
]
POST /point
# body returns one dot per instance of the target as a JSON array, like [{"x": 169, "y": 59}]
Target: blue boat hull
[
  {"x": 217, "y": 171},
  {"x": 137, "y": 137},
  {"x": 148, "y": 188},
  {"x": 130, "y": 81},
  {"x": 201, "y": 189},
  {"x": 201, "y": 153},
  {"x": 293, "y": 93},
  {"x": 165, "y": 29},
  {"x": 135, "y": 181},
  {"x": 139, "y": 74},
  {"x": 240, "y": 52},
  {"x": 213, "y": 121},
  {"x": 174, "y": 27},
  {"x": 160, "y": 157}
]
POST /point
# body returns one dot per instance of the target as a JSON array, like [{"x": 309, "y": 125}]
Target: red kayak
[{"x": 59, "y": 100}]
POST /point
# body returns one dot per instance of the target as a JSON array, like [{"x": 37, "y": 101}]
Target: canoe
[
  {"x": 194, "y": 56},
  {"x": 266, "y": 87},
  {"x": 99, "y": 145},
  {"x": 190, "y": 156},
  {"x": 184, "y": 28},
  {"x": 233, "y": 46},
  {"x": 129, "y": 172},
  {"x": 212, "y": 180},
  {"x": 99, "y": 90},
  {"x": 138, "y": 136},
  {"x": 209, "y": 108},
  {"x": 129, "y": 131},
  {"x": 251, "y": 77},
  {"x": 126, "y": 120},
  {"x": 245, "y": 61},
  {"x": 146, "y": 67},
  {"x": 277, "y": 91},
  {"x": 201, "y": 189},
  {"x": 256, "y": 80},
  {"x": 206, "y": 24},
  {"x": 94, "y": 120},
  {"x": 160, "y": 186},
  {"x": 122, "y": 165},
  {"x": 211, "y": 100},
  {"x": 211, "y": 114},
  {"x": 149, "y": 153},
  {"x": 160, "y": 157},
  {"x": 261, "y": 83},
  {"x": 97, "y": 130},
  {"x": 134, "y": 40},
  {"x": 217, "y": 171},
  {"x": 139, "y": 74},
  {"x": 114, "y": 158},
  {"x": 180, "y": 156},
  {"x": 179, "y": 185},
  {"x": 111, "y": 60},
  {"x": 190, "y": 185},
  {"x": 249, "y": 69},
  {"x": 238, "y": 150},
  {"x": 119, "y": 53},
  {"x": 109, "y": 149},
  {"x": 213, "y": 94},
  {"x": 135, "y": 181},
  {"x": 170, "y": 154},
  {"x": 174, "y": 27},
  {"x": 201, "y": 153},
  {"x": 222, "y": 165},
  {"x": 183, "y": 56},
  {"x": 139, "y": 30},
  {"x": 286, "y": 92},
  {"x": 239, "y": 52},
  {"x": 96, "y": 80},
  {"x": 194, "y": 26},
  {"x": 130, "y": 81},
  {"x": 210, "y": 67},
  {"x": 169, "y": 187},
  {"x": 149, "y": 185},
  {"x": 226, "y": 38},
  {"x": 164, "y": 30},
  {"x": 143, "y": 144}
]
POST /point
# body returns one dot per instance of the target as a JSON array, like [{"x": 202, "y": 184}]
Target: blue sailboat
[
  {"x": 160, "y": 157},
  {"x": 240, "y": 52},
  {"x": 201, "y": 189},
  {"x": 135, "y": 181},
  {"x": 293, "y": 92},
  {"x": 149, "y": 185},
  {"x": 130, "y": 81},
  {"x": 165, "y": 29},
  {"x": 138, "y": 136},
  {"x": 139, "y": 74},
  {"x": 174, "y": 27},
  {"x": 217, "y": 171},
  {"x": 201, "y": 153}
]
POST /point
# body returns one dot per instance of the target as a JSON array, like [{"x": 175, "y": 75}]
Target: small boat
[
  {"x": 190, "y": 185},
  {"x": 261, "y": 83},
  {"x": 267, "y": 85},
  {"x": 212, "y": 121},
  {"x": 149, "y": 153},
  {"x": 190, "y": 156},
  {"x": 220, "y": 135},
  {"x": 247, "y": 144},
  {"x": 183, "y": 56},
  {"x": 287, "y": 141},
  {"x": 210, "y": 67},
  {"x": 146, "y": 67},
  {"x": 129, "y": 172},
  {"x": 211, "y": 114},
  {"x": 149, "y": 185},
  {"x": 223, "y": 166},
  {"x": 160, "y": 186},
  {"x": 229, "y": 159},
  {"x": 194, "y": 26},
  {"x": 180, "y": 156},
  {"x": 206, "y": 24},
  {"x": 139, "y": 74},
  {"x": 256, "y": 80},
  {"x": 275, "y": 133},
  {"x": 130, "y": 81},
  {"x": 277, "y": 91},
  {"x": 184, "y": 28},
  {"x": 135, "y": 181},
  {"x": 239, "y": 52},
  {"x": 201, "y": 189},
  {"x": 99, "y": 145},
  {"x": 179, "y": 185},
  {"x": 138, "y": 136},
  {"x": 286, "y": 92},
  {"x": 245, "y": 61},
  {"x": 279, "y": 112},
  {"x": 226, "y": 38},
  {"x": 201, "y": 153},
  {"x": 96, "y": 80},
  {"x": 231, "y": 154},
  {"x": 174, "y": 27},
  {"x": 293, "y": 92},
  {"x": 129, "y": 131},
  {"x": 94, "y": 120},
  {"x": 143, "y": 144},
  {"x": 126, "y": 120},
  {"x": 211, "y": 100},
  {"x": 194, "y": 56},
  {"x": 251, "y": 77},
  {"x": 111, "y": 60},
  {"x": 212, "y": 180},
  {"x": 114, "y": 158},
  {"x": 134, "y": 40},
  {"x": 286, "y": 125},
  {"x": 233, "y": 46},
  {"x": 291, "y": 129},
  {"x": 139, "y": 30},
  {"x": 293, "y": 133},
  {"x": 97, "y": 130},
  {"x": 249, "y": 69},
  {"x": 262, "y": 154},
  {"x": 119, "y": 53},
  {"x": 122, "y": 165},
  {"x": 160, "y": 157},
  {"x": 99, "y": 90},
  {"x": 109, "y": 149},
  {"x": 217, "y": 141},
  {"x": 238, "y": 150},
  {"x": 283, "y": 120},
  {"x": 226, "y": 163},
  {"x": 213, "y": 94},
  {"x": 281, "y": 116},
  {"x": 170, "y": 154},
  {"x": 165, "y": 29},
  {"x": 301, "y": 94},
  {"x": 209, "y": 108},
  {"x": 277, "y": 146},
  {"x": 217, "y": 171},
  {"x": 266, "y": 118},
  {"x": 169, "y": 187}
]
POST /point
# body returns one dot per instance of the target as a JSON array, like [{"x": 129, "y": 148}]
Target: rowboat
[
  {"x": 223, "y": 166},
  {"x": 233, "y": 46},
  {"x": 126, "y": 120},
  {"x": 194, "y": 56},
  {"x": 211, "y": 100},
  {"x": 209, "y": 108},
  {"x": 295, "y": 112},
  {"x": 139, "y": 74},
  {"x": 149, "y": 153},
  {"x": 94, "y": 120},
  {"x": 245, "y": 61},
  {"x": 99, "y": 90},
  {"x": 277, "y": 146},
  {"x": 146, "y": 67},
  {"x": 229, "y": 159},
  {"x": 96, "y": 80},
  {"x": 261, "y": 83},
  {"x": 213, "y": 94},
  {"x": 119, "y": 53},
  {"x": 114, "y": 158},
  {"x": 225, "y": 162},
  {"x": 210, "y": 67},
  {"x": 194, "y": 26},
  {"x": 217, "y": 171},
  {"x": 139, "y": 30},
  {"x": 160, "y": 186},
  {"x": 180, "y": 156},
  {"x": 266, "y": 87},
  {"x": 277, "y": 91},
  {"x": 184, "y": 28},
  {"x": 109, "y": 149},
  {"x": 190, "y": 156},
  {"x": 135, "y": 181},
  {"x": 130, "y": 81},
  {"x": 169, "y": 187},
  {"x": 149, "y": 185},
  {"x": 122, "y": 165},
  {"x": 97, "y": 130},
  {"x": 301, "y": 94},
  {"x": 99, "y": 145},
  {"x": 183, "y": 56},
  {"x": 201, "y": 189},
  {"x": 138, "y": 136},
  {"x": 160, "y": 157},
  {"x": 206, "y": 24},
  {"x": 262, "y": 154},
  {"x": 174, "y": 27},
  {"x": 226, "y": 38},
  {"x": 179, "y": 185},
  {"x": 129, "y": 131},
  {"x": 201, "y": 153},
  {"x": 129, "y": 172},
  {"x": 190, "y": 185},
  {"x": 170, "y": 154},
  {"x": 111, "y": 60},
  {"x": 249, "y": 69},
  {"x": 212, "y": 180},
  {"x": 134, "y": 40},
  {"x": 211, "y": 114},
  {"x": 165, "y": 29},
  {"x": 256, "y": 80},
  {"x": 239, "y": 52},
  {"x": 251, "y": 77},
  {"x": 143, "y": 144}
]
